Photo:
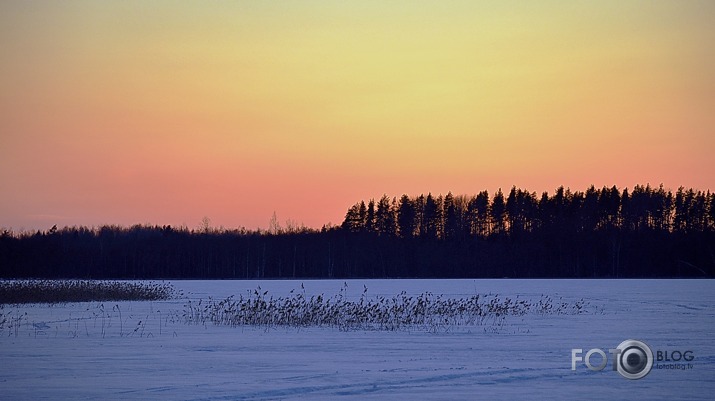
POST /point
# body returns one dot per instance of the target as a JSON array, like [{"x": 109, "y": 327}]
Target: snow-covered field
[{"x": 143, "y": 350}]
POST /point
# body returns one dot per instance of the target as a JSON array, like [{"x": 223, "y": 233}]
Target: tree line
[
  {"x": 481, "y": 216},
  {"x": 607, "y": 232}
]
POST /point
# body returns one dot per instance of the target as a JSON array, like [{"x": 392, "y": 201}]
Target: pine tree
[
  {"x": 406, "y": 217},
  {"x": 383, "y": 218},
  {"x": 451, "y": 218},
  {"x": 483, "y": 209},
  {"x": 498, "y": 214},
  {"x": 352, "y": 220},
  {"x": 370, "y": 217},
  {"x": 431, "y": 218}
]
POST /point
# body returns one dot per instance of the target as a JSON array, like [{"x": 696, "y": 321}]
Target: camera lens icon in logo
[{"x": 634, "y": 360}]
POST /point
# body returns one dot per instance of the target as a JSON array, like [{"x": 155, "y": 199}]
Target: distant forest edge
[{"x": 646, "y": 232}]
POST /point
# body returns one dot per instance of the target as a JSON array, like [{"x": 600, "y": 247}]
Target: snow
[{"x": 71, "y": 352}]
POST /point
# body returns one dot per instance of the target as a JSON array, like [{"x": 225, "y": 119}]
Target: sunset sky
[{"x": 164, "y": 112}]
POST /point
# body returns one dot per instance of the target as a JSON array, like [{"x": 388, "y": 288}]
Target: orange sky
[{"x": 166, "y": 112}]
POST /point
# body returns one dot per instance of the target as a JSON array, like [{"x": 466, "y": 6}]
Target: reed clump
[
  {"x": 424, "y": 312},
  {"x": 62, "y": 291}
]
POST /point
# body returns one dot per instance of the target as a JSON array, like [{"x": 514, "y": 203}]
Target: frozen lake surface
[{"x": 143, "y": 350}]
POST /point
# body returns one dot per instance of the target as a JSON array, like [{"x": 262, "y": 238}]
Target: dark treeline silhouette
[{"x": 645, "y": 232}]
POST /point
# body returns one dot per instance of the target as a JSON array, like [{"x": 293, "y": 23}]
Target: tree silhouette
[
  {"x": 370, "y": 216},
  {"x": 452, "y": 218},
  {"x": 498, "y": 214},
  {"x": 384, "y": 219},
  {"x": 406, "y": 217},
  {"x": 432, "y": 218}
]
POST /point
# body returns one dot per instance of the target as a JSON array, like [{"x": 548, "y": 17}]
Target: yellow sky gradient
[{"x": 165, "y": 112}]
